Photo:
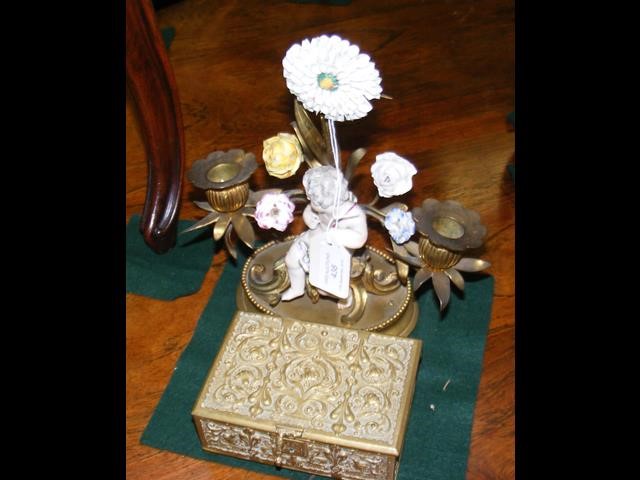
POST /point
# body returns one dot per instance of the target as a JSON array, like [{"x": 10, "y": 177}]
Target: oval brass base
[{"x": 393, "y": 313}]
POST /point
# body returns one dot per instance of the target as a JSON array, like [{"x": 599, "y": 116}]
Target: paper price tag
[{"x": 329, "y": 268}]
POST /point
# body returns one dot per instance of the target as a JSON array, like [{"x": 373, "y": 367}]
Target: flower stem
[{"x": 336, "y": 158}]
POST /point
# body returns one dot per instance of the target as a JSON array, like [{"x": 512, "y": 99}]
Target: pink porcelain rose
[{"x": 274, "y": 210}]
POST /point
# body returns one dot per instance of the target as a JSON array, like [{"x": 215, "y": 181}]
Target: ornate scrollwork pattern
[
  {"x": 312, "y": 376},
  {"x": 269, "y": 278},
  {"x": 307, "y": 455},
  {"x": 236, "y": 440}
]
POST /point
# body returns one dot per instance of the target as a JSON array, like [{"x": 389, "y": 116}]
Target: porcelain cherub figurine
[{"x": 350, "y": 230}]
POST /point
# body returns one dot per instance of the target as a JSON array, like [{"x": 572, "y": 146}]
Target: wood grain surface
[
  {"x": 449, "y": 66},
  {"x": 155, "y": 98}
]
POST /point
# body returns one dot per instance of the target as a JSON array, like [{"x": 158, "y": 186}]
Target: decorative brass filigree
[
  {"x": 378, "y": 281},
  {"x": 238, "y": 441},
  {"x": 311, "y": 376},
  {"x": 321, "y": 399},
  {"x": 311, "y": 291},
  {"x": 354, "y": 309},
  {"x": 269, "y": 281},
  {"x": 378, "y": 300},
  {"x": 305, "y": 455}
]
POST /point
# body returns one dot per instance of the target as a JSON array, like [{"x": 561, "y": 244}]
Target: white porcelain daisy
[{"x": 330, "y": 76}]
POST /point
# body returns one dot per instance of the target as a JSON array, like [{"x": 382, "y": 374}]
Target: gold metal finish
[
  {"x": 310, "y": 290},
  {"x": 229, "y": 199},
  {"x": 440, "y": 265},
  {"x": 316, "y": 146},
  {"x": 401, "y": 267},
  {"x": 379, "y": 281},
  {"x": 448, "y": 227},
  {"x": 244, "y": 229},
  {"x": 317, "y": 398},
  {"x": 317, "y": 458},
  {"x": 224, "y": 178},
  {"x": 379, "y": 301},
  {"x": 437, "y": 258},
  {"x": 210, "y": 219},
  {"x": 353, "y": 161},
  {"x": 220, "y": 170},
  {"x": 447, "y": 230},
  {"x": 221, "y": 226},
  {"x": 231, "y": 246},
  {"x": 223, "y": 172},
  {"x": 267, "y": 279},
  {"x": 359, "y": 302},
  {"x": 310, "y": 137}
]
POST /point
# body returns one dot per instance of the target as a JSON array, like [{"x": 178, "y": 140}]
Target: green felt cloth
[
  {"x": 167, "y": 36},
  {"x": 436, "y": 442},
  {"x": 170, "y": 275}
]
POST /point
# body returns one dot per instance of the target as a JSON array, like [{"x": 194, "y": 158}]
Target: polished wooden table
[{"x": 449, "y": 66}]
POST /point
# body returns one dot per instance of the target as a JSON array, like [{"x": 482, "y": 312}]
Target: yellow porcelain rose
[{"x": 282, "y": 155}]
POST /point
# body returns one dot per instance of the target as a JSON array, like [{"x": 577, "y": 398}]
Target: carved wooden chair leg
[{"x": 153, "y": 88}]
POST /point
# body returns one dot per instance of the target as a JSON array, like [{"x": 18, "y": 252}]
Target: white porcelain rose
[
  {"x": 282, "y": 155},
  {"x": 392, "y": 174}
]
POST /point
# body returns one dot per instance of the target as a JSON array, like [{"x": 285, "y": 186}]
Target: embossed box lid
[{"x": 340, "y": 386}]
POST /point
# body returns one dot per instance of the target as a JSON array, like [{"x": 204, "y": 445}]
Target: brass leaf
[
  {"x": 248, "y": 211},
  {"x": 412, "y": 248},
  {"x": 231, "y": 247},
  {"x": 244, "y": 229},
  {"x": 204, "y": 206},
  {"x": 421, "y": 276},
  {"x": 442, "y": 286},
  {"x": 471, "y": 265},
  {"x": 414, "y": 262},
  {"x": 455, "y": 277},
  {"x": 208, "y": 220},
  {"x": 221, "y": 226},
  {"x": 401, "y": 267},
  {"x": 310, "y": 134},
  {"x": 352, "y": 163},
  {"x": 307, "y": 155}
]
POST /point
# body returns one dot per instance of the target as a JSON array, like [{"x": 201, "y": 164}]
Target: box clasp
[{"x": 286, "y": 443}]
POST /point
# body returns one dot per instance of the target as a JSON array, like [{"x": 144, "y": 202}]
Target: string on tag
[{"x": 333, "y": 139}]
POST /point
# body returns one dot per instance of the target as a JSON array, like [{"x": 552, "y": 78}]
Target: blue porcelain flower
[{"x": 400, "y": 225}]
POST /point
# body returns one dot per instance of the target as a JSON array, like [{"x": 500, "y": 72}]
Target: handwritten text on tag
[{"x": 329, "y": 267}]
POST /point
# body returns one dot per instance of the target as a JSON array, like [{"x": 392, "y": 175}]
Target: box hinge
[{"x": 287, "y": 444}]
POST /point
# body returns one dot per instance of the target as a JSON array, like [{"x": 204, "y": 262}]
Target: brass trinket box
[{"x": 317, "y": 398}]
